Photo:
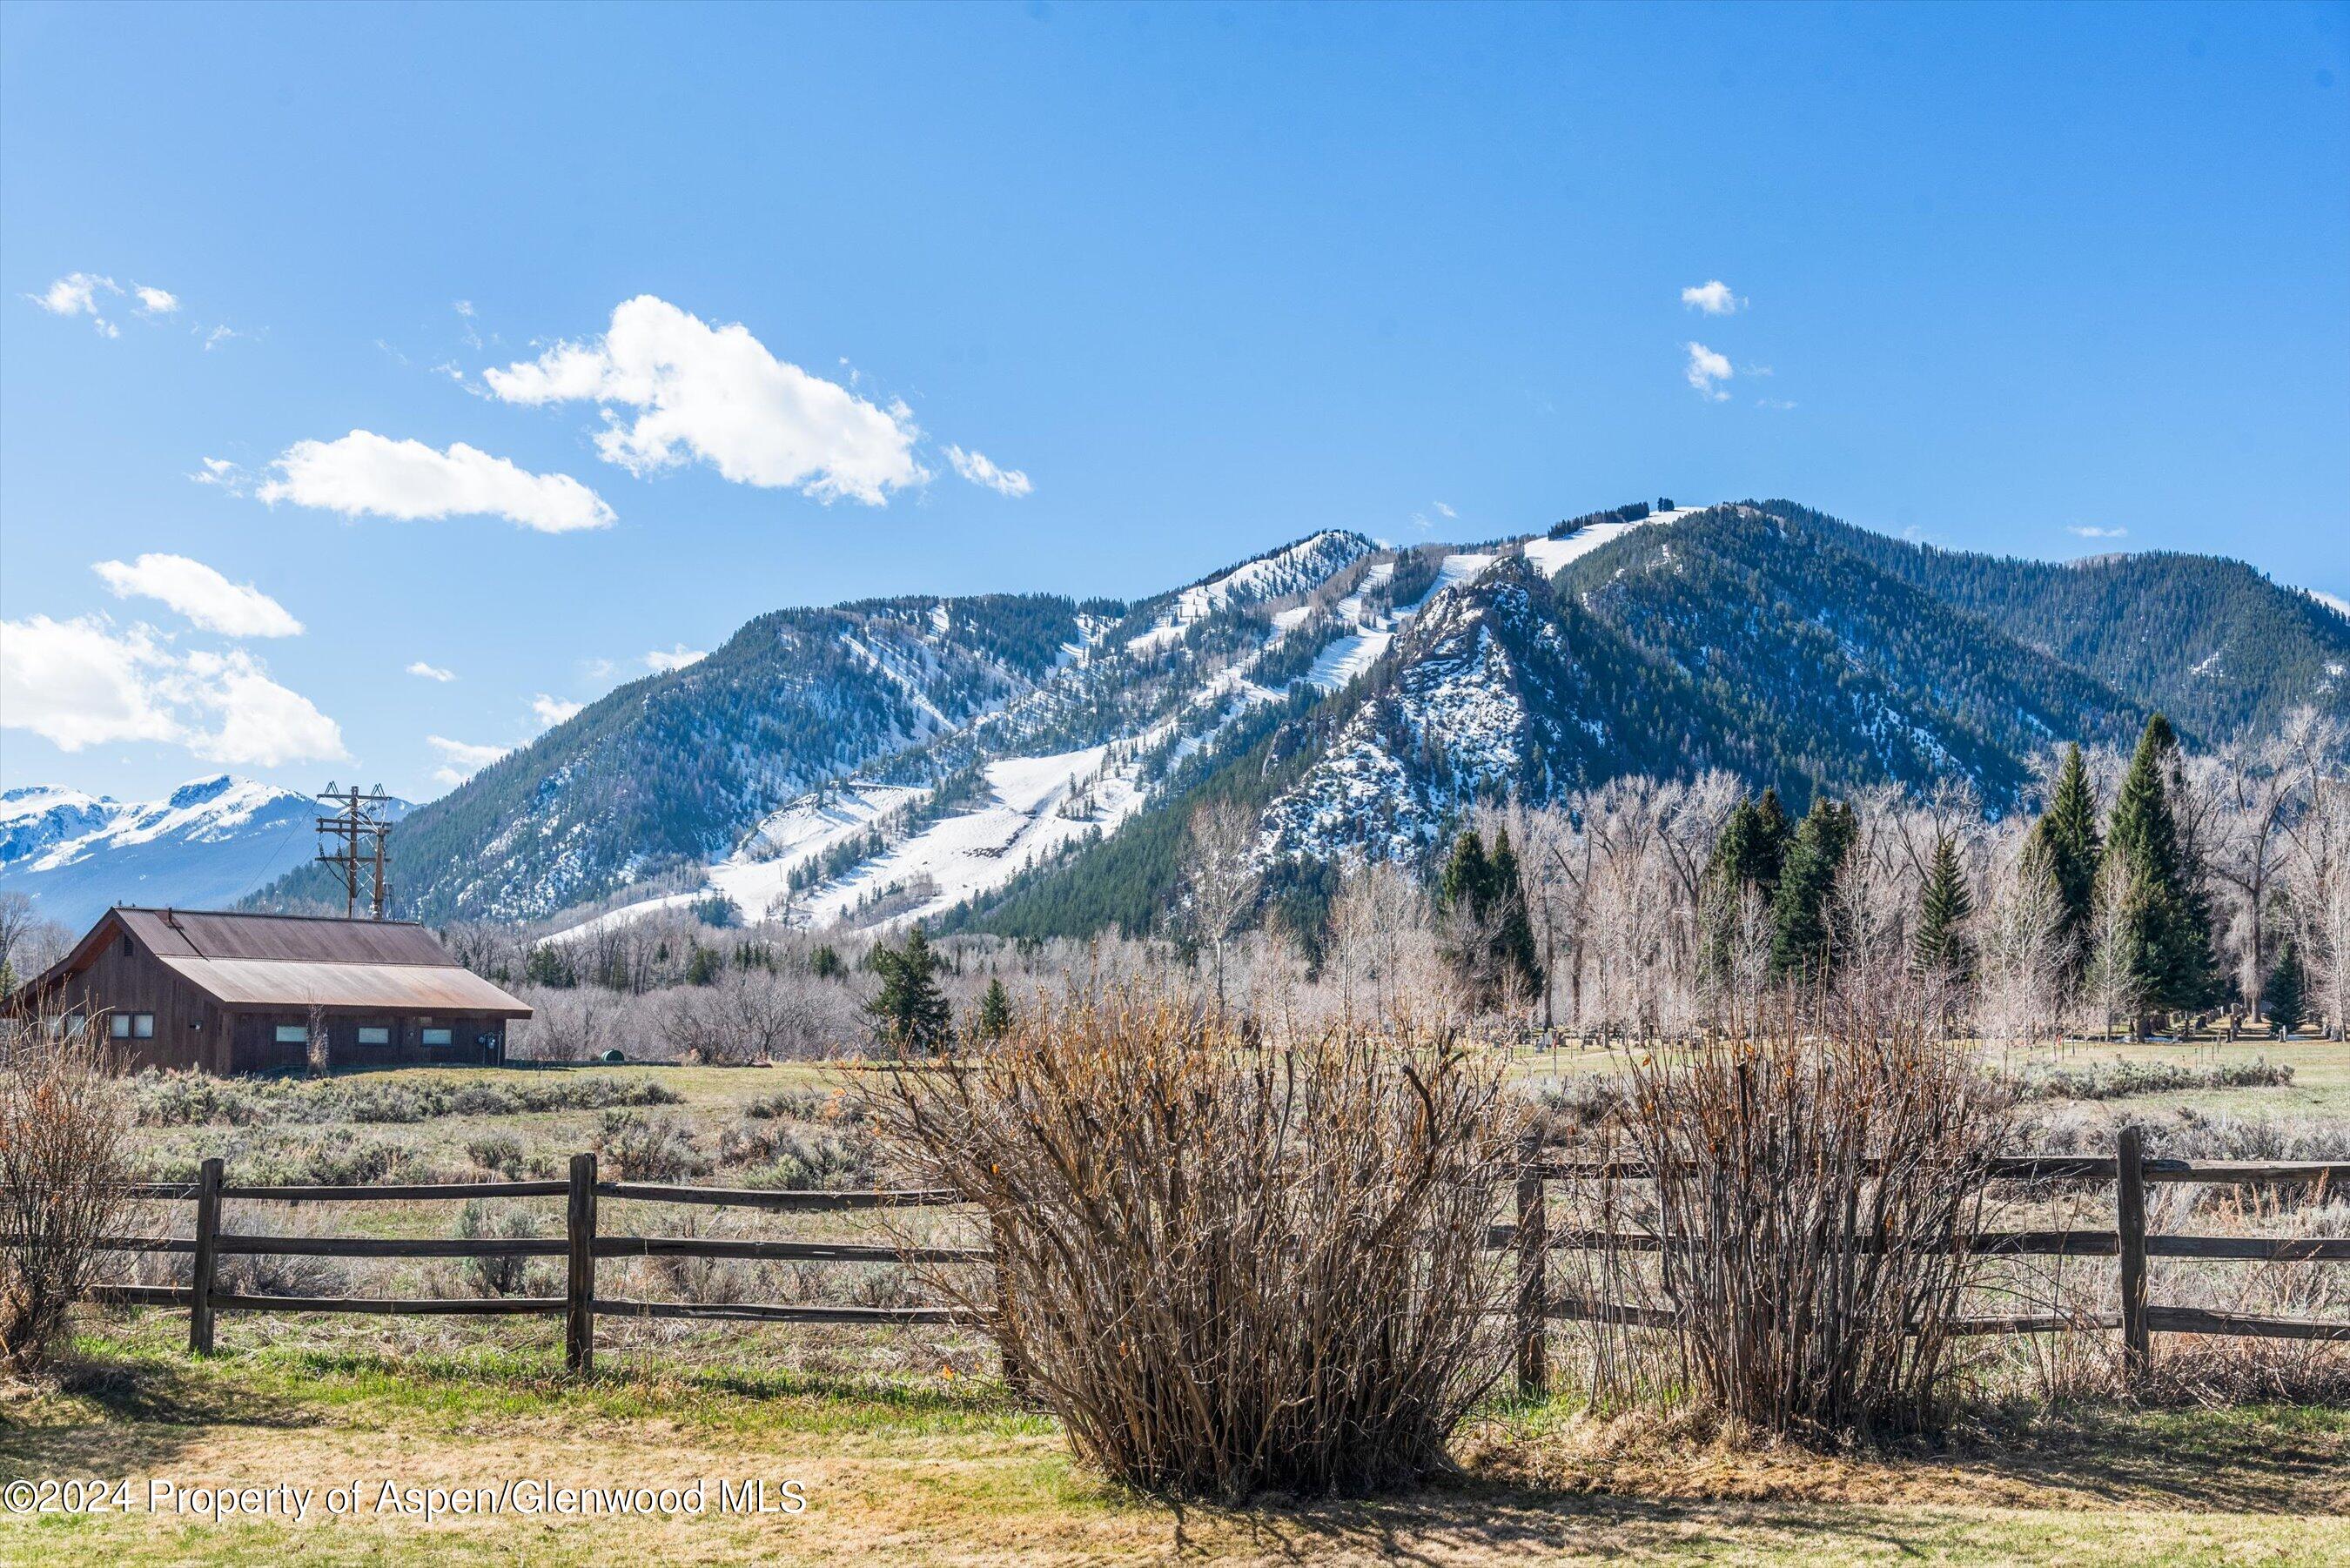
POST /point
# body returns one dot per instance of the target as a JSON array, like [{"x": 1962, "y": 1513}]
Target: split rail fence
[
  {"x": 1531, "y": 1240},
  {"x": 2127, "y": 1169}
]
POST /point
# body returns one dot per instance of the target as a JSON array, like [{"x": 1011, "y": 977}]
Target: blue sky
[{"x": 745, "y": 291}]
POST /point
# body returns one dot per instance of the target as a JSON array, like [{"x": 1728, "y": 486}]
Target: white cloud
[
  {"x": 200, "y": 594},
  {"x": 1444, "y": 511},
  {"x": 220, "y": 334},
  {"x": 717, "y": 394},
  {"x": 77, "y": 293},
  {"x": 461, "y": 759},
  {"x": 432, "y": 671},
  {"x": 262, "y": 724},
  {"x": 1715, "y": 298},
  {"x": 1782, "y": 403},
  {"x": 552, "y": 710},
  {"x": 975, "y": 467},
  {"x": 2089, "y": 531},
  {"x": 221, "y": 472},
  {"x": 156, "y": 301},
  {"x": 363, "y": 473},
  {"x": 677, "y": 658},
  {"x": 81, "y": 683},
  {"x": 1706, "y": 371}
]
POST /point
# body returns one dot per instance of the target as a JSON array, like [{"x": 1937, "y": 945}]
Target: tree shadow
[{"x": 123, "y": 1417}]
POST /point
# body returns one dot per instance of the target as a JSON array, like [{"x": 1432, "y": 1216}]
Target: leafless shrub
[
  {"x": 1227, "y": 1266},
  {"x": 1814, "y": 1181},
  {"x": 277, "y": 1274},
  {"x": 754, "y": 1015},
  {"x": 64, "y": 1118},
  {"x": 479, "y": 1221},
  {"x": 647, "y": 1149}
]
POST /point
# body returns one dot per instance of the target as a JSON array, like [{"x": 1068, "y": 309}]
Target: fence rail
[
  {"x": 2127, "y": 1169},
  {"x": 1530, "y": 1241},
  {"x": 581, "y": 1245}
]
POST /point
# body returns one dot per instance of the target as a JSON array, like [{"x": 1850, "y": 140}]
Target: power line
[{"x": 357, "y": 834}]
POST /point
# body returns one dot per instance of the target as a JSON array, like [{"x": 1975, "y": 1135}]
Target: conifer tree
[
  {"x": 1799, "y": 922},
  {"x": 910, "y": 1012},
  {"x": 2068, "y": 834},
  {"x": 1514, "y": 939},
  {"x": 994, "y": 1020},
  {"x": 2286, "y": 996},
  {"x": 1467, "y": 873},
  {"x": 2173, "y": 940},
  {"x": 1941, "y": 945},
  {"x": 1493, "y": 944},
  {"x": 702, "y": 967}
]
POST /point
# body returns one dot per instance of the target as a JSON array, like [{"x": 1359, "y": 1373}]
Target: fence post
[
  {"x": 2129, "y": 1221},
  {"x": 1007, "y": 1344},
  {"x": 1533, "y": 1257},
  {"x": 207, "y": 1256},
  {"x": 579, "y": 1226}
]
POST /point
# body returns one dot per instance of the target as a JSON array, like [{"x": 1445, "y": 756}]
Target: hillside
[
  {"x": 1760, "y": 637},
  {"x": 2212, "y": 642},
  {"x": 669, "y": 772},
  {"x": 1025, "y": 762}
]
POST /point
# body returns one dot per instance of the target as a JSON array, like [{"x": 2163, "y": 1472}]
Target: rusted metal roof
[
  {"x": 292, "y": 984},
  {"x": 215, "y": 934}
]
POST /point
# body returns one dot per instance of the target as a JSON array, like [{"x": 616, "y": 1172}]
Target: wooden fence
[
  {"x": 1531, "y": 1239},
  {"x": 2127, "y": 1169},
  {"x": 581, "y": 1246}
]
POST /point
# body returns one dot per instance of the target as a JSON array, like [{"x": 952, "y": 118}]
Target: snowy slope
[
  {"x": 206, "y": 844},
  {"x": 1548, "y": 556}
]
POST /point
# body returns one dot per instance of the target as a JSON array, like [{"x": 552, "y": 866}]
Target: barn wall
[
  {"x": 258, "y": 1050},
  {"x": 187, "y": 1025}
]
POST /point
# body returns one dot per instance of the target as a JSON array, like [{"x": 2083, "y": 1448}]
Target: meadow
[{"x": 907, "y": 1445}]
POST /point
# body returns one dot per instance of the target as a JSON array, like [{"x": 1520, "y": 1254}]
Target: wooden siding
[{"x": 113, "y": 972}]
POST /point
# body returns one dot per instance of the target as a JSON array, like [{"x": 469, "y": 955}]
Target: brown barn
[{"x": 244, "y": 992}]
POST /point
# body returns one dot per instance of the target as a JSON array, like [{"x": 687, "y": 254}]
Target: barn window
[
  {"x": 125, "y": 944},
  {"x": 293, "y": 1035},
  {"x": 374, "y": 1034},
  {"x": 132, "y": 1025},
  {"x": 436, "y": 1036}
]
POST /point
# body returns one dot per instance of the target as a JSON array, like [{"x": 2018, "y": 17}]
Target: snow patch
[{"x": 1546, "y": 556}]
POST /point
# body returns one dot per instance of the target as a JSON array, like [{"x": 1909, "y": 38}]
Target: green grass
[{"x": 902, "y": 1464}]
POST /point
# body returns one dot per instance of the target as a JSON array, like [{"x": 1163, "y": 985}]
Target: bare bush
[
  {"x": 754, "y": 1015},
  {"x": 64, "y": 1120},
  {"x": 1227, "y": 1267},
  {"x": 1812, "y": 1185}
]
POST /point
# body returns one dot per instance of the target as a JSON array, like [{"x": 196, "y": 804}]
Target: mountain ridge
[{"x": 981, "y": 746}]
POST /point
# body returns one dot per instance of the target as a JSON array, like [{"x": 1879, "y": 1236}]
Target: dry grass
[{"x": 906, "y": 1466}]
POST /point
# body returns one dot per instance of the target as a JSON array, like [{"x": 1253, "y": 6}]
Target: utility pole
[{"x": 357, "y": 835}]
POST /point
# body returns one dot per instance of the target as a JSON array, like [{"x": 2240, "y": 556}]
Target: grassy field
[
  {"x": 907, "y": 1468},
  {"x": 907, "y": 1447}
]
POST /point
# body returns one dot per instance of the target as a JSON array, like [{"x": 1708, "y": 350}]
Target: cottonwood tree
[
  {"x": 1220, "y": 879},
  {"x": 2319, "y": 873},
  {"x": 2027, "y": 947},
  {"x": 2263, "y": 789}
]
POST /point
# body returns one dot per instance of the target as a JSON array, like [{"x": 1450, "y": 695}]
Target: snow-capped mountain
[
  {"x": 1027, "y": 762},
  {"x": 206, "y": 844}
]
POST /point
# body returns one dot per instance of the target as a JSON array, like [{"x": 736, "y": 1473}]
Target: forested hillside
[
  {"x": 670, "y": 771},
  {"x": 1030, "y": 764},
  {"x": 2212, "y": 642}
]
